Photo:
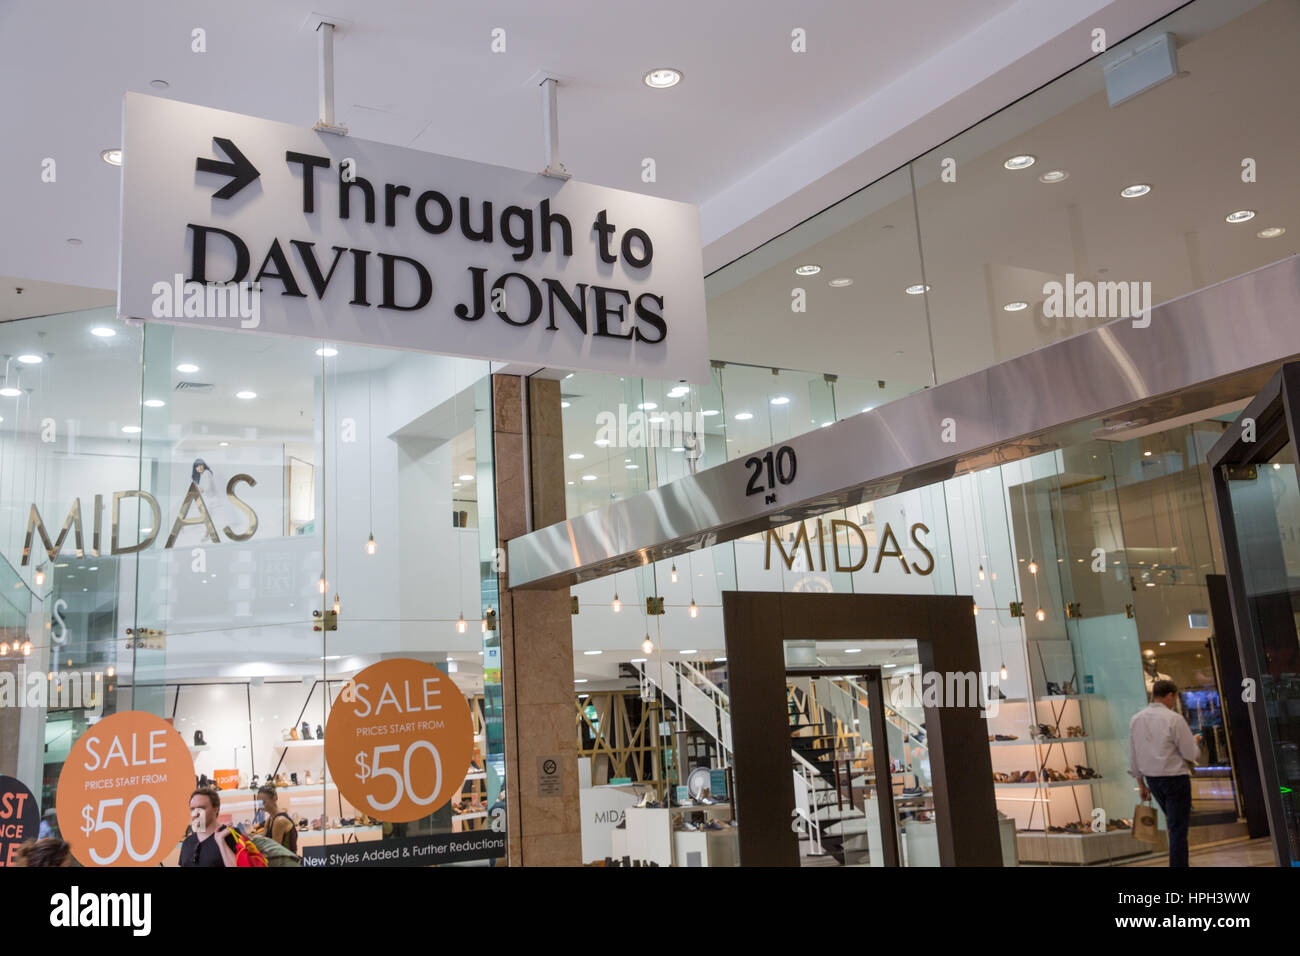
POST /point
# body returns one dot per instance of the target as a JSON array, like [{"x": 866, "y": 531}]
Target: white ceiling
[{"x": 423, "y": 75}]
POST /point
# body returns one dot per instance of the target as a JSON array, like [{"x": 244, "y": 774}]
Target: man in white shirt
[{"x": 1160, "y": 748}]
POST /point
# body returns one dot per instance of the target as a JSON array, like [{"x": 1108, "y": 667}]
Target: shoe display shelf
[
  {"x": 1077, "y": 848},
  {"x": 1041, "y": 741},
  {"x": 198, "y": 749},
  {"x": 295, "y": 744}
]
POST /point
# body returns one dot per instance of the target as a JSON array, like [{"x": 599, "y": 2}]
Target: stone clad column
[{"x": 536, "y": 631}]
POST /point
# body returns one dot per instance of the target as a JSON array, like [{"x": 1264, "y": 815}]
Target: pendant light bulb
[
  {"x": 460, "y": 625},
  {"x": 320, "y": 585},
  {"x": 674, "y": 573},
  {"x": 975, "y": 609},
  {"x": 647, "y": 646},
  {"x": 4, "y": 649},
  {"x": 1033, "y": 567},
  {"x": 1041, "y": 615},
  {"x": 27, "y": 648},
  {"x": 336, "y": 604},
  {"x": 617, "y": 605},
  {"x": 40, "y": 576},
  {"x": 483, "y": 625},
  {"x": 110, "y": 671},
  {"x": 370, "y": 545},
  {"x": 695, "y": 611},
  {"x": 981, "y": 572},
  {"x": 1003, "y": 673}
]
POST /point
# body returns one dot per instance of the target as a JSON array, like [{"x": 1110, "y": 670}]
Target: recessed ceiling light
[
  {"x": 1241, "y": 215},
  {"x": 663, "y": 78},
  {"x": 1054, "y": 176},
  {"x": 1023, "y": 161},
  {"x": 74, "y": 242},
  {"x": 1272, "y": 232},
  {"x": 588, "y": 477},
  {"x": 131, "y": 429},
  {"x": 577, "y": 456},
  {"x": 569, "y": 483},
  {"x": 678, "y": 448},
  {"x": 187, "y": 368},
  {"x": 637, "y": 660},
  {"x": 709, "y": 412},
  {"x": 852, "y": 650},
  {"x": 10, "y": 392},
  {"x": 779, "y": 400},
  {"x": 246, "y": 395},
  {"x": 111, "y": 156},
  {"x": 1015, "y": 307},
  {"x": 327, "y": 352},
  {"x": 630, "y": 467},
  {"x": 1137, "y": 189},
  {"x": 888, "y": 665},
  {"x": 591, "y": 653},
  {"x": 602, "y": 442},
  {"x": 744, "y": 416},
  {"x": 466, "y": 477},
  {"x": 916, "y": 289},
  {"x": 565, "y": 404},
  {"x": 1146, "y": 454},
  {"x": 691, "y": 651},
  {"x": 154, "y": 403},
  {"x": 224, "y": 444},
  {"x": 103, "y": 332},
  {"x": 580, "y": 680},
  {"x": 647, "y": 406},
  {"x": 30, "y": 359},
  {"x": 807, "y": 269},
  {"x": 678, "y": 391},
  {"x": 159, "y": 84},
  {"x": 840, "y": 283}
]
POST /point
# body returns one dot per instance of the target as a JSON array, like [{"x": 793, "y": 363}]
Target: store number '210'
[{"x": 778, "y": 468}]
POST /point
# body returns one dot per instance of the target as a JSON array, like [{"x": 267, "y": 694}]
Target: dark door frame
[
  {"x": 1275, "y": 411},
  {"x": 756, "y": 625}
]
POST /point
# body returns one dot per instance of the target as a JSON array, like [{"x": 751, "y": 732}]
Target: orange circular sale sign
[
  {"x": 399, "y": 740},
  {"x": 123, "y": 796}
]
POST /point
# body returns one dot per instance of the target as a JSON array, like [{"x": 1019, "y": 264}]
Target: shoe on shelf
[
  {"x": 1053, "y": 689},
  {"x": 645, "y": 799},
  {"x": 293, "y": 779},
  {"x": 306, "y": 731},
  {"x": 320, "y": 734},
  {"x": 198, "y": 739},
  {"x": 1004, "y": 737},
  {"x": 293, "y": 733},
  {"x": 307, "y": 778}
]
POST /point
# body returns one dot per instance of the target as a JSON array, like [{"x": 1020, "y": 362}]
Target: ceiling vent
[{"x": 187, "y": 386}]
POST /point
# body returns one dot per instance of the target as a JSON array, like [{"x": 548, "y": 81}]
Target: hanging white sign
[{"x": 235, "y": 222}]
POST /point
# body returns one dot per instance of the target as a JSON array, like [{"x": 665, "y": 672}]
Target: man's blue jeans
[{"x": 1174, "y": 795}]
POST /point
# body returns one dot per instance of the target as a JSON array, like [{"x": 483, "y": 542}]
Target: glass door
[{"x": 842, "y": 765}]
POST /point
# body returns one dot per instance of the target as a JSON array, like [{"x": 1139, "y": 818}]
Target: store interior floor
[{"x": 1246, "y": 852}]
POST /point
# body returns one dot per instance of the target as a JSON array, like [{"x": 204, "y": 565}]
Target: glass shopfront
[{"x": 221, "y": 530}]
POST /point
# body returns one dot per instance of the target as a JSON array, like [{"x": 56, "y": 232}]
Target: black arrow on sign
[{"x": 241, "y": 171}]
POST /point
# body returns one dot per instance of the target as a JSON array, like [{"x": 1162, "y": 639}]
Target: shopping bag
[{"x": 1144, "y": 823}]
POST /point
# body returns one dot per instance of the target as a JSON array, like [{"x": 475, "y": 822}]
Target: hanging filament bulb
[
  {"x": 1033, "y": 567},
  {"x": 40, "y": 576},
  {"x": 483, "y": 625},
  {"x": 336, "y": 604},
  {"x": 321, "y": 584},
  {"x": 647, "y": 646},
  {"x": 673, "y": 573},
  {"x": 975, "y": 609},
  {"x": 370, "y": 545},
  {"x": 1041, "y": 614},
  {"x": 695, "y": 611},
  {"x": 110, "y": 671},
  {"x": 27, "y": 648},
  {"x": 4, "y": 649},
  {"x": 460, "y": 625},
  {"x": 981, "y": 572},
  {"x": 617, "y": 605},
  {"x": 1003, "y": 673}
]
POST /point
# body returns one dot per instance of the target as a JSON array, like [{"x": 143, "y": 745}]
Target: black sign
[
  {"x": 20, "y": 818},
  {"x": 410, "y": 851}
]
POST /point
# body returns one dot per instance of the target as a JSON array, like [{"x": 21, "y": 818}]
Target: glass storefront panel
[{"x": 260, "y": 519}]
